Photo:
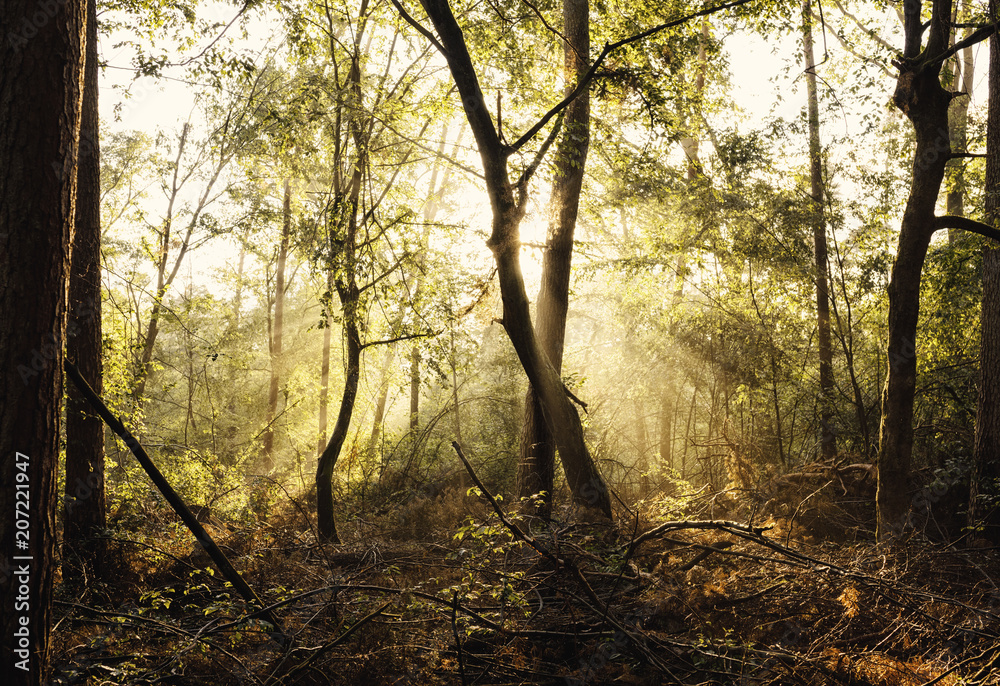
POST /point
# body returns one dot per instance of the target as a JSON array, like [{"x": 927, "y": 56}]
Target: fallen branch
[
  {"x": 176, "y": 502},
  {"x": 511, "y": 526}
]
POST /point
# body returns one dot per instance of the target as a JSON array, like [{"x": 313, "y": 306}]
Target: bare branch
[{"x": 949, "y": 221}]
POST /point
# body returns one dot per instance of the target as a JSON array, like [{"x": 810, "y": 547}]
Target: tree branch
[
  {"x": 397, "y": 339},
  {"x": 418, "y": 26},
  {"x": 949, "y": 221},
  {"x": 976, "y": 36}
]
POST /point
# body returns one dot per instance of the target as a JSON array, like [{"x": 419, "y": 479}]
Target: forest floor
[{"x": 443, "y": 592}]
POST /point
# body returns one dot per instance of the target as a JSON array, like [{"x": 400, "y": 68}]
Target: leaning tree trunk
[
  {"x": 85, "y": 511},
  {"x": 986, "y": 453},
  {"x": 507, "y": 204},
  {"x": 536, "y": 466},
  {"x": 828, "y": 441},
  {"x": 40, "y": 103}
]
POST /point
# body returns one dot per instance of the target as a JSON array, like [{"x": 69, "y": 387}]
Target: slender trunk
[
  {"x": 828, "y": 440},
  {"x": 414, "y": 387},
  {"x": 40, "y": 103},
  {"x": 144, "y": 366},
  {"x": 454, "y": 391},
  {"x": 963, "y": 67},
  {"x": 431, "y": 206},
  {"x": 667, "y": 402},
  {"x": 845, "y": 335},
  {"x": 687, "y": 432},
  {"x": 382, "y": 398},
  {"x": 324, "y": 393},
  {"x": 238, "y": 300},
  {"x": 920, "y": 96},
  {"x": 985, "y": 477},
  {"x": 85, "y": 511},
  {"x": 536, "y": 464},
  {"x": 267, "y": 463}
]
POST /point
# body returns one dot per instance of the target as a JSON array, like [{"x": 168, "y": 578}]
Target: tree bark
[
  {"x": 507, "y": 204},
  {"x": 921, "y": 97},
  {"x": 85, "y": 508},
  {"x": 986, "y": 452},
  {"x": 267, "y": 463},
  {"x": 828, "y": 440},
  {"x": 536, "y": 464},
  {"x": 40, "y": 104}
]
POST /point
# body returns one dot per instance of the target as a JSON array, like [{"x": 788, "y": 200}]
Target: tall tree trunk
[
  {"x": 85, "y": 511},
  {"x": 920, "y": 96},
  {"x": 267, "y": 463},
  {"x": 828, "y": 440},
  {"x": 40, "y": 104},
  {"x": 536, "y": 464},
  {"x": 985, "y": 478},
  {"x": 507, "y": 202}
]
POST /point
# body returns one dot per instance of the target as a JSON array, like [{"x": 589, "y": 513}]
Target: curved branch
[{"x": 949, "y": 221}]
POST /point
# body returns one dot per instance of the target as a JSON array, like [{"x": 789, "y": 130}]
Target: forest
[{"x": 499, "y": 342}]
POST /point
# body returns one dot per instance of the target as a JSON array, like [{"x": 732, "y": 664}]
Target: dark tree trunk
[
  {"x": 986, "y": 453},
  {"x": 921, "y": 97},
  {"x": 536, "y": 466},
  {"x": 507, "y": 203},
  {"x": 85, "y": 501},
  {"x": 40, "y": 102},
  {"x": 828, "y": 441},
  {"x": 267, "y": 463}
]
